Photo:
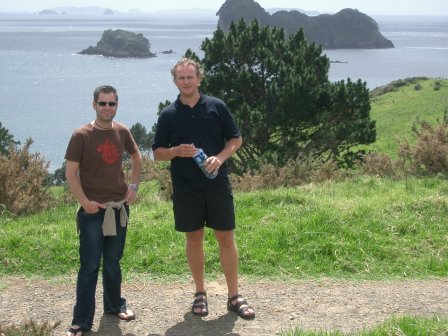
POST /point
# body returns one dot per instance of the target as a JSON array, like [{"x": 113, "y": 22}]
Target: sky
[{"x": 370, "y": 7}]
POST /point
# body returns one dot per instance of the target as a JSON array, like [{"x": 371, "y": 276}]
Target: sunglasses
[{"x": 101, "y": 103}]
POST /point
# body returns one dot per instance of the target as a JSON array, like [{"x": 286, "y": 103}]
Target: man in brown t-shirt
[{"x": 95, "y": 176}]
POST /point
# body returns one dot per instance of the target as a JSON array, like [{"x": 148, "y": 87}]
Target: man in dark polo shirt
[{"x": 195, "y": 121}]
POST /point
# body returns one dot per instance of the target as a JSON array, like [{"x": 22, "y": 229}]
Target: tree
[
  {"x": 142, "y": 137},
  {"x": 6, "y": 140},
  {"x": 279, "y": 93},
  {"x": 58, "y": 177}
]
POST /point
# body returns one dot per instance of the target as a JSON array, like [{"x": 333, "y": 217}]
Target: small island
[
  {"x": 121, "y": 44},
  {"x": 48, "y": 12}
]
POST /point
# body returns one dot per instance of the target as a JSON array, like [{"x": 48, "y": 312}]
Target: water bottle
[{"x": 200, "y": 157}]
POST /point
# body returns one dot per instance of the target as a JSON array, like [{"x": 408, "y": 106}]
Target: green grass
[
  {"x": 395, "y": 112},
  {"x": 363, "y": 228},
  {"x": 29, "y": 328},
  {"x": 403, "y": 326}
]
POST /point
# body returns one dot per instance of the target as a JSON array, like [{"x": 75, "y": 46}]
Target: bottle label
[{"x": 200, "y": 157}]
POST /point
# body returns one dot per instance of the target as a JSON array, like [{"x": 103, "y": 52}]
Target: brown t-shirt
[{"x": 99, "y": 154}]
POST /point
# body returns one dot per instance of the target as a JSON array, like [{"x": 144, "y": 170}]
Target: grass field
[
  {"x": 363, "y": 228},
  {"x": 395, "y": 112}
]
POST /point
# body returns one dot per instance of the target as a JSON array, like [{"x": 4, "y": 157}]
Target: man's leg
[
  {"x": 196, "y": 257},
  {"x": 229, "y": 262},
  {"x": 228, "y": 253},
  {"x": 90, "y": 249},
  {"x": 196, "y": 260},
  {"x": 189, "y": 215},
  {"x": 112, "y": 254}
]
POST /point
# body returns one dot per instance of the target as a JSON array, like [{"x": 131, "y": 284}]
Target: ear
[{"x": 94, "y": 105}]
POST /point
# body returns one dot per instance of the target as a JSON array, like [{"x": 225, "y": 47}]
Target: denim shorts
[{"x": 212, "y": 207}]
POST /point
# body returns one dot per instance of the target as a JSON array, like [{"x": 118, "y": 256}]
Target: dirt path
[{"x": 164, "y": 309}]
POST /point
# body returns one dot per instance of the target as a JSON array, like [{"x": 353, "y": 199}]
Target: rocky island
[
  {"x": 122, "y": 44},
  {"x": 48, "y": 12},
  {"x": 347, "y": 29}
]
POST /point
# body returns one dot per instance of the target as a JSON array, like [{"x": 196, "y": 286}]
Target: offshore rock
[{"x": 122, "y": 44}]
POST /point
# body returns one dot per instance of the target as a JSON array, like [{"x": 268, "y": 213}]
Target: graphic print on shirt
[{"x": 110, "y": 153}]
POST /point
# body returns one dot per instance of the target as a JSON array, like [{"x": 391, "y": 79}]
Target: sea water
[{"x": 46, "y": 87}]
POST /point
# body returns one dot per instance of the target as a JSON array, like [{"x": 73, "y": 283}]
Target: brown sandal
[
  {"x": 240, "y": 307},
  {"x": 200, "y": 302}
]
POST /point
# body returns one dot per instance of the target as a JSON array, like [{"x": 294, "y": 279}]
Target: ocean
[{"x": 46, "y": 87}]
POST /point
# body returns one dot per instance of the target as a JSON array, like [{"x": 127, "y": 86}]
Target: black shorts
[{"x": 212, "y": 207}]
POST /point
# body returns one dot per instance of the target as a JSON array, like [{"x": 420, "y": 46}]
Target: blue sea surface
[{"x": 46, "y": 87}]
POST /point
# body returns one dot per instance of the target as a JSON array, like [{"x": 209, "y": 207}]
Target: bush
[
  {"x": 429, "y": 156},
  {"x": 268, "y": 176},
  {"x": 378, "y": 164},
  {"x": 23, "y": 179},
  {"x": 295, "y": 172},
  {"x": 160, "y": 173}
]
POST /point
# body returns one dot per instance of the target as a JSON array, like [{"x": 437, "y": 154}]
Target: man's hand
[
  {"x": 131, "y": 196},
  {"x": 92, "y": 207},
  {"x": 185, "y": 150},
  {"x": 213, "y": 163}
]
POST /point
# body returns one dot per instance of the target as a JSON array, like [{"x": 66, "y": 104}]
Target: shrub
[
  {"x": 23, "y": 177},
  {"x": 429, "y": 156},
  {"x": 295, "y": 172},
  {"x": 378, "y": 164},
  {"x": 160, "y": 173}
]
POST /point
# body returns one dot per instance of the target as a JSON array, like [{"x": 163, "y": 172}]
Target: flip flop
[
  {"x": 75, "y": 331},
  {"x": 126, "y": 315}
]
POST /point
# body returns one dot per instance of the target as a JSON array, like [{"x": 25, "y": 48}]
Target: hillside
[
  {"x": 348, "y": 29},
  {"x": 397, "y": 110}
]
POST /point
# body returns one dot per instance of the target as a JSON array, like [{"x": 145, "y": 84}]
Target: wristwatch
[{"x": 134, "y": 186}]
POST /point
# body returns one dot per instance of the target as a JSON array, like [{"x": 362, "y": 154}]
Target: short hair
[
  {"x": 104, "y": 89},
  {"x": 188, "y": 61}
]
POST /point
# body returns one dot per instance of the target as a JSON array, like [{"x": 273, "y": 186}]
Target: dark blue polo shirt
[{"x": 208, "y": 125}]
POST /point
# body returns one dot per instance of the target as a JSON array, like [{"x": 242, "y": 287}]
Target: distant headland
[{"x": 347, "y": 29}]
